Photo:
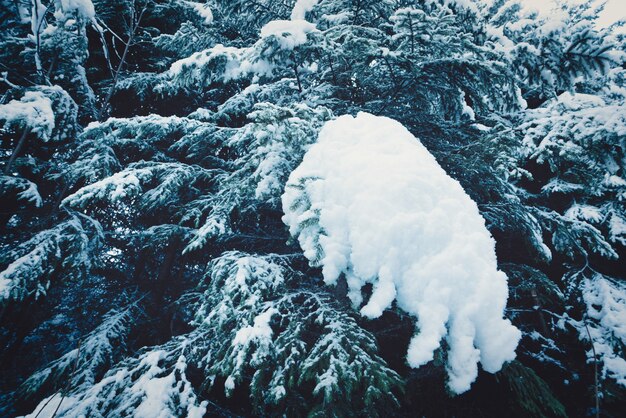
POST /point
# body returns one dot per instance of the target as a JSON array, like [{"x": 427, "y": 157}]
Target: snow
[
  {"x": 463, "y": 4},
  {"x": 29, "y": 191},
  {"x": 557, "y": 185},
  {"x": 195, "y": 63},
  {"x": 617, "y": 229},
  {"x": 31, "y": 194},
  {"x": 570, "y": 124},
  {"x": 203, "y": 10},
  {"x": 222, "y": 63},
  {"x": 6, "y": 285},
  {"x": 584, "y": 213},
  {"x": 115, "y": 187},
  {"x": 54, "y": 405},
  {"x": 301, "y": 8},
  {"x": 14, "y": 277},
  {"x": 290, "y": 33},
  {"x": 149, "y": 390},
  {"x": 370, "y": 202},
  {"x": 606, "y": 305},
  {"x": 614, "y": 10},
  {"x": 614, "y": 181},
  {"x": 155, "y": 388},
  {"x": 83, "y": 8},
  {"x": 466, "y": 110},
  {"x": 38, "y": 11},
  {"x": 261, "y": 329},
  {"x": 33, "y": 111},
  {"x": 336, "y": 18}
]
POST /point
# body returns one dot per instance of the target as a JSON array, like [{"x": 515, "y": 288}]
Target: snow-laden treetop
[{"x": 370, "y": 202}]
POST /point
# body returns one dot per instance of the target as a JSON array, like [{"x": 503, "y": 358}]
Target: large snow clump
[{"x": 370, "y": 202}]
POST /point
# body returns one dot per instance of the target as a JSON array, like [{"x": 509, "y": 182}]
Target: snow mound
[{"x": 370, "y": 202}]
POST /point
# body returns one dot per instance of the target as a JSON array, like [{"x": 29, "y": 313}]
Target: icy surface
[{"x": 370, "y": 202}]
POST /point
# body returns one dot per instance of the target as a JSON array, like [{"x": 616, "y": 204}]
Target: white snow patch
[
  {"x": 84, "y": 8},
  {"x": 33, "y": 111},
  {"x": 54, "y": 405},
  {"x": 290, "y": 33},
  {"x": 235, "y": 64},
  {"x": 370, "y": 202},
  {"x": 203, "y": 10},
  {"x": 606, "y": 307},
  {"x": 115, "y": 187},
  {"x": 466, "y": 109},
  {"x": 301, "y": 8},
  {"x": 221, "y": 63},
  {"x": 261, "y": 329},
  {"x": 585, "y": 213},
  {"x": 617, "y": 229}
]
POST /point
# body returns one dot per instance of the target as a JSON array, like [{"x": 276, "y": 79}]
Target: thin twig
[
  {"x": 46, "y": 404},
  {"x": 18, "y": 148},
  {"x": 136, "y": 23},
  {"x": 68, "y": 385},
  {"x": 595, "y": 371}
]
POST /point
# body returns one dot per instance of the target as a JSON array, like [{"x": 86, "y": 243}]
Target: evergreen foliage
[{"x": 145, "y": 145}]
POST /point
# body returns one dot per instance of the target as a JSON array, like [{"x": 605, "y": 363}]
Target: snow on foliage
[
  {"x": 369, "y": 201},
  {"x": 171, "y": 180},
  {"x": 574, "y": 124},
  {"x": 89, "y": 360},
  {"x": 269, "y": 147},
  {"x": 48, "y": 112},
  {"x": 256, "y": 326},
  {"x": 192, "y": 68},
  {"x": 271, "y": 55},
  {"x": 83, "y": 8},
  {"x": 202, "y": 9},
  {"x": 183, "y": 204},
  {"x": 290, "y": 33},
  {"x": 155, "y": 384},
  {"x": 25, "y": 189},
  {"x": 257, "y": 316},
  {"x": 580, "y": 138},
  {"x": 301, "y": 8},
  {"x": 67, "y": 247},
  {"x": 606, "y": 306},
  {"x": 33, "y": 112},
  {"x": 604, "y": 321}
]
